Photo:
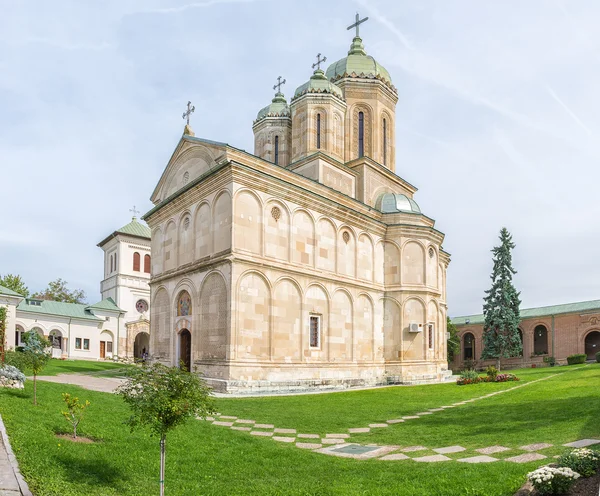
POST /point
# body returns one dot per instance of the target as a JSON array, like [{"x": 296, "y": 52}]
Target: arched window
[
  {"x": 318, "y": 131},
  {"x": 276, "y": 150},
  {"x": 136, "y": 262},
  {"x": 469, "y": 346},
  {"x": 540, "y": 340},
  {"x": 384, "y": 142},
  {"x": 361, "y": 134},
  {"x": 147, "y": 264},
  {"x": 184, "y": 304}
]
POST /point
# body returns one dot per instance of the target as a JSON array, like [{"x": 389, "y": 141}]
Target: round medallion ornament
[
  {"x": 431, "y": 252},
  {"x": 141, "y": 306},
  {"x": 276, "y": 213},
  {"x": 186, "y": 177},
  {"x": 346, "y": 237}
]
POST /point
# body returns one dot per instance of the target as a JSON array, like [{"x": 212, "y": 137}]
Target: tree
[
  {"x": 35, "y": 356},
  {"x": 453, "y": 340},
  {"x": 58, "y": 291},
  {"x": 162, "y": 398},
  {"x": 15, "y": 283},
  {"x": 2, "y": 334},
  {"x": 501, "y": 337},
  {"x": 75, "y": 411}
]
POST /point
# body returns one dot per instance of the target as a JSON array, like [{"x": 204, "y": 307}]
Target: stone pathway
[
  {"x": 102, "y": 384},
  {"x": 11, "y": 481},
  {"x": 337, "y": 444}
]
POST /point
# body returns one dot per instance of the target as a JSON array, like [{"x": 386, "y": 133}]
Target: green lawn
[
  {"x": 96, "y": 368},
  {"x": 210, "y": 460}
]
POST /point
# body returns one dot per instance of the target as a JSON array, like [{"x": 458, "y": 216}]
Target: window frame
[
  {"x": 109, "y": 347},
  {"x": 431, "y": 335},
  {"x": 78, "y": 343},
  {"x": 384, "y": 141},
  {"x": 137, "y": 261},
  {"x": 361, "y": 134},
  {"x": 276, "y": 150},
  {"x": 86, "y": 344},
  {"x": 147, "y": 263},
  {"x": 310, "y": 331},
  {"x": 318, "y": 131}
]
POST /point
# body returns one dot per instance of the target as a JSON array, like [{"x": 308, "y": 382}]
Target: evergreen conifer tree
[{"x": 501, "y": 337}]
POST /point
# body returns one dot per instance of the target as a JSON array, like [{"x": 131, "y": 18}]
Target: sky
[{"x": 497, "y": 121}]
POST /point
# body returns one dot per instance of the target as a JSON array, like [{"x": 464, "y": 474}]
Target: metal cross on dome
[
  {"x": 319, "y": 61},
  {"x": 186, "y": 114},
  {"x": 358, "y": 22},
  {"x": 278, "y": 85},
  {"x": 134, "y": 211}
]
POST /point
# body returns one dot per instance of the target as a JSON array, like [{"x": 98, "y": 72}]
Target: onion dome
[
  {"x": 358, "y": 65},
  {"x": 319, "y": 83},
  {"x": 390, "y": 203},
  {"x": 277, "y": 108}
]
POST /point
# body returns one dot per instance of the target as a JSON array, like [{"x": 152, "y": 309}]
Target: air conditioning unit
[{"x": 414, "y": 327}]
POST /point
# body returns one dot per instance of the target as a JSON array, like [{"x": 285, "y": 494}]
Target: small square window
[
  {"x": 86, "y": 344},
  {"x": 315, "y": 331},
  {"x": 109, "y": 347},
  {"x": 77, "y": 343}
]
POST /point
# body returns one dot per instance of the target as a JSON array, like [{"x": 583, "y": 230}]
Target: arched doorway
[
  {"x": 540, "y": 340},
  {"x": 468, "y": 346},
  {"x": 592, "y": 344},
  {"x": 185, "y": 350},
  {"x": 55, "y": 338},
  {"x": 141, "y": 346}
]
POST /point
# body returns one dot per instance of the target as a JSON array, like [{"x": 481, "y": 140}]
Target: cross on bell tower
[
  {"x": 279, "y": 84},
  {"x": 320, "y": 60},
  {"x": 358, "y": 22},
  {"x": 134, "y": 211},
  {"x": 188, "y": 112}
]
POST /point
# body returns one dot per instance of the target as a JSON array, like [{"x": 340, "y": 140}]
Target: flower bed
[
  {"x": 463, "y": 381},
  {"x": 552, "y": 480}
]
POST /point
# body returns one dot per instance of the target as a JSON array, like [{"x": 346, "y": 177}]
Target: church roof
[
  {"x": 394, "y": 202},
  {"x": 528, "y": 313},
  {"x": 57, "y": 308},
  {"x": 134, "y": 228},
  {"x": 9, "y": 292},
  {"x": 106, "y": 304},
  {"x": 277, "y": 108},
  {"x": 318, "y": 83},
  {"x": 357, "y": 64}
]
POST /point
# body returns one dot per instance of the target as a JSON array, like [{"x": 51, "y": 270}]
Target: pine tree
[{"x": 501, "y": 337}]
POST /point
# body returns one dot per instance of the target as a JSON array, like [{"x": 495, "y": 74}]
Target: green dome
[
  {"x": 358, "y": 64},
  {"x": 318, "y": 83},
  {"x": 277, "y": 108},
  {"x": 390, "y": 203}
]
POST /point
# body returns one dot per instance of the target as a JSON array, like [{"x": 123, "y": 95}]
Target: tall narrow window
[
  {"x": 276, "y": 150},
  {"x": 136, "y": 262},
  {"x": 315, "y": 331},
  {"x": 361, "y": 134},
  {"x": 147, "y": 264},
  {"x": 384, "y": 142},
  {"x": 111, "y": 264},
  {"x": 430, "y": 335},
  {"x": 116, "y": 262},
  {"x": 318, "y": 131}
]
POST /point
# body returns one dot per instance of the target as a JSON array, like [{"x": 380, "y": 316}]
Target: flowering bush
[
  {"x": 12, "y": 373},
  {"x": 471, "y": 377},
  {"x": 552, "y": 480},
  {"x": 582, "y": 460},
  {"x": 506, "y": 377}
]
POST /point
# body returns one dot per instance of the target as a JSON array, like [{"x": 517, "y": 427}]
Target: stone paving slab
[
  {"x": 285, "y": 431},
  {"x": 410, "y": 449},
  {"x": 377, "y": 426},
  {"x": 308, "y": 445},
  {"x": 424, "y": 413},
  {"x": 536, "y": 446},
  {"x": 446, "y": 406},
  {"x": 245, "y": 421},
  {"x": 208, "y": 418},
  {"x": 237, "y": 428},
  {"x": 527, "y": 457},
  {"x": 361, "y": 453},
  {"x": 394, "y": 421},
  {"x": 338, "y": 436},
  {"x": 228, "y": 417},
  {"x": 490, "y": 450},
  {"x": 395, "y": 456},
  {"x": 436, "y": 410},
  {"x": 478, "y": 459},
  {"x": 409, "y": 417},
  {"x": 224, "y": 424},
  {"x": 284, "y": 439},
  {"x": 450, "y": 449},
  {"x": 264, "y": 426},
  {"x": 359, "y": 430},
  {"x": 432, "y": 458},
  {"x": 261, "y": 433},
  {"x": 332, "y": 440},
  {"x": 309, "y": 436},
  {"x": 582, "y": 443}
]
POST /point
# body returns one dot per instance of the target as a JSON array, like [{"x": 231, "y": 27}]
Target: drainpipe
[
  {"x": 553, "y": 337},
  {"x": 69, "y": 340}
]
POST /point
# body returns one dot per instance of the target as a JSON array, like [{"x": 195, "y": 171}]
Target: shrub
[
  {"x": 550, "y": 360},
  {"x": 12, "y": 373},
  {"x": 575, "y": 359},
  {"x": 582, "y": 460},
  {"x": 506, "y": 378},
  {"x": 491, "y": 372},
  {"x": 552, "y": 480},
  {"x": 75, "y": 411},
  {"x": 598, "y": 357},
  {"x": 469, "y": 364}
]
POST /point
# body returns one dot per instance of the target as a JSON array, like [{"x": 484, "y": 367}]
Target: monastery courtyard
[{"x": 402, "y": 440}]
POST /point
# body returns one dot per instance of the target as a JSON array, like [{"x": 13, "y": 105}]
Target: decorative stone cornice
[{"x": 362, "y": 75}]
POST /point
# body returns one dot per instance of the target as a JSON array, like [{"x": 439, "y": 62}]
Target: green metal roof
[
  {"x": 528, "y": 313},
  {"x": 106, "y": 304},
  {"x": 8, "y": 292},
  {"x": 358, "y": 64},
  {"x": 57, "y": 308},
  {"x": 318, "y": 83},
  {"x": 134, "y": 228},
  {"x": 277, "y": 108}
]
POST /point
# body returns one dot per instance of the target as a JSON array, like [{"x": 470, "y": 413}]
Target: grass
[
  {"x": 96, "y": 368},
  {"x": 210, "y": 460}
]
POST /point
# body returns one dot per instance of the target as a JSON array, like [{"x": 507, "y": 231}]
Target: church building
[{"x": 307, "y": 263}]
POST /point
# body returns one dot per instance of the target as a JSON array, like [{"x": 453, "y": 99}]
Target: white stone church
[
  {"x": 116, "y": 326},
  {"x": 307, "y": 263}
]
